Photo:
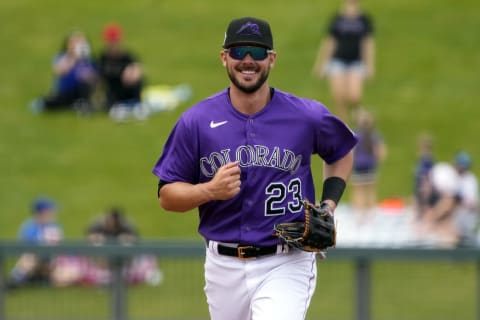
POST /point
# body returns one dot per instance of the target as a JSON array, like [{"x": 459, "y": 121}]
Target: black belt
[{"x": 246, "y": 251}]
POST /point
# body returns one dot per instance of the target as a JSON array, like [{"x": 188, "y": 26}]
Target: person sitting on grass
[
  {"x": 75, "y": 78},
  {"x": 121, "y": 75}
]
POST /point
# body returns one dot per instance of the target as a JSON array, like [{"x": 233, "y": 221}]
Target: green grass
[
  {"x": 427, "y": 79},
  {"x": 404, "y": 290}
]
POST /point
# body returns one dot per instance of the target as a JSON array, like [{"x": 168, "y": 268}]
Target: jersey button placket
[
  {"x": 247, "y": 204},
  {"x": 250, "y": 136},
  {"x": 250, "y": 131}
]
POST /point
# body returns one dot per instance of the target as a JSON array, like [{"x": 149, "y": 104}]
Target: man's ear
[
  {"x": 223, "y": 57},
  {"x": 273, "y": 58}
]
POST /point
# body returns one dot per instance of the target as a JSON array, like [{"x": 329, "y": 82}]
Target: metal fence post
[
  {"x": 478, "y": 289},
  {"x": 2, "y": 288},
  {"x": 363, "y": 286},
  {"x": 118, "y": 290}
]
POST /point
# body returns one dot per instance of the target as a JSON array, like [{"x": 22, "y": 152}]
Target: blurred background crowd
[
  {"x": 112, "y": 226},
  {"x": 111, "y": 81},
  {"x": 444, "y": 208}
]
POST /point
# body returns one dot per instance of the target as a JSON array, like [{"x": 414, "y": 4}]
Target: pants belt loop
[
  {"x": 282, "y": 248},
  {"x": 213, "y": 245}
]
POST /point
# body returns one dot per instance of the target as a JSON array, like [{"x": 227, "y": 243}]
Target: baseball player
[{"x": 243, "y": 156}]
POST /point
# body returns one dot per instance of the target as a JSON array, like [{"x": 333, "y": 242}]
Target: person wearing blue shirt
[
  {"x": 41, "y": 228},
  {"x": 75, "y": 77}
]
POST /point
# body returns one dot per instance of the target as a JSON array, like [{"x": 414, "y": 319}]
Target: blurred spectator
[
  {"x": 437, "y": 225},
  {"x": 75, "y": 78},
  {"x": 346, "y": 57},
  {"x": 466, "y": 216},
  {"x": 368, "y": 153},
  {"x": 113, "y": 227},
  {"x": 451, "y": 215},
  {"x": 425, "y": 163},
  {"x": 41, "y": 228},
  {"x": 122, "y": 75}
]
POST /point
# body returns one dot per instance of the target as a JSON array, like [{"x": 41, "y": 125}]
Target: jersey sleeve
[
  {"x": 177, "y": 162},
  {"x": 333, "y": 138}
]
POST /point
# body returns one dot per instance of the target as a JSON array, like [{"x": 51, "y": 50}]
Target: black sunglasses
[{"x": 257, "y": 53}]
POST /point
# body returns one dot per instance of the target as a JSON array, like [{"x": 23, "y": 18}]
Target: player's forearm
[
  {"x": 335, "y": 177},
  {"x": 341, "y": 168},
  {"x": 182, "y": 197}
]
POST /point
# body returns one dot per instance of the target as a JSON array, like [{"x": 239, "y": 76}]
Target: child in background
[
  {"x": 422, "y": 181},
  {"x": 41, "y": 228},
  {"x": 368, "y": 153}
]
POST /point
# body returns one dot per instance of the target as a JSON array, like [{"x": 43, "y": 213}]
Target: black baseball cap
[{"x": 248, "y": 30}]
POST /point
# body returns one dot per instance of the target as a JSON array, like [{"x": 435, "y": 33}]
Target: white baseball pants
[{"x": 276, "y": 287}]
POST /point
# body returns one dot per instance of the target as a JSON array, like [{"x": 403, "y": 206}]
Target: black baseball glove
[{"x": 316, "y": 234}]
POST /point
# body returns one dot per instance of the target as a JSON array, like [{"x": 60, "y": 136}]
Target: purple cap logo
[{"x": 249, "y": 29}]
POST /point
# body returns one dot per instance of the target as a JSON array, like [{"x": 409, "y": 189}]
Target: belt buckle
[{"x": 241, "y": 252}]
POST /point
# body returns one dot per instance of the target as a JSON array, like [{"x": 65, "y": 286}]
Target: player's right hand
[{"x": 226, "y": 182}]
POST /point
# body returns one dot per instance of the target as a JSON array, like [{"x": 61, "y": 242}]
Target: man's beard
[{"x": 252, "y": 87}]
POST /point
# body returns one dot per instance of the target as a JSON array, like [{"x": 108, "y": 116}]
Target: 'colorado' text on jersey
[
  {"x": 273, "y": 147},
  {"x": 251, "y": 156}
]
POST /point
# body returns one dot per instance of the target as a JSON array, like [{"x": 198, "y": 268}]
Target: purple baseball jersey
[{"x": 274, "y": 148}]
